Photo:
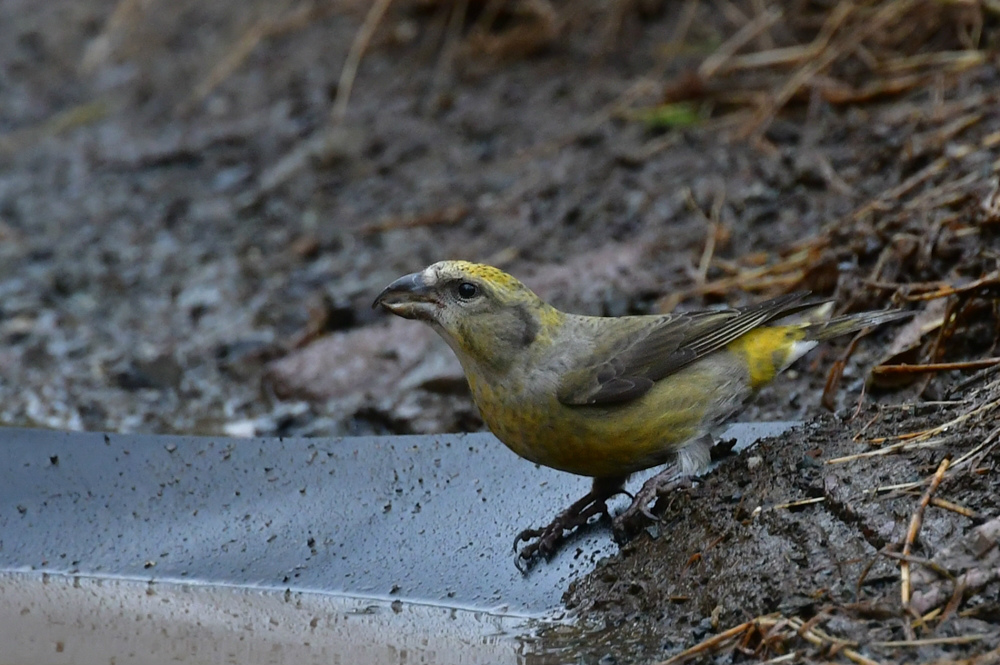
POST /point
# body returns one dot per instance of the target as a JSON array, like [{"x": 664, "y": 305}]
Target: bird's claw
[
  {"x": 639, "y": 515},
  {"x": 543, "y": 543}
]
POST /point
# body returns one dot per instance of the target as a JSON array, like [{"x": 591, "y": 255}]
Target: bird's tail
[{"x": 818, "y": 330}]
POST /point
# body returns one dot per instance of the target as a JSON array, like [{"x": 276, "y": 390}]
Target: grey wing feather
[{"x": 633, "y": 363}]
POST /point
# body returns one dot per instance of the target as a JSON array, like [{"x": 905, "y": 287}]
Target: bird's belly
[
  {"x": 617, "y": 439},
  {"x": 609, "y": 445}
]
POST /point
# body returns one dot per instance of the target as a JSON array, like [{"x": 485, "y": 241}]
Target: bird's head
[{"x": 482, "y": 312}]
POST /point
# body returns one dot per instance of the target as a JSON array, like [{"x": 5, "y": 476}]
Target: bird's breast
[{"x": 614, "y": 439}]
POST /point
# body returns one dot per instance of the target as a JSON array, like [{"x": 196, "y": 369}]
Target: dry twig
[
  {"x": 911, "y": 534},
  {"x": 709, "y": 644},
  {"x": 353, "y": 60}
]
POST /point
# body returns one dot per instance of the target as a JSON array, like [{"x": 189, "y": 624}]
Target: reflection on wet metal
[
  {"x": 56, "y": 622},
  {"x": 88, "y": 521}
]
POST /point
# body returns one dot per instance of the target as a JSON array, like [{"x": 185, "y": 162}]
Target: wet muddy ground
[
  {"x": 189, "y": 243},
  {"x": 733, "y": 550}
]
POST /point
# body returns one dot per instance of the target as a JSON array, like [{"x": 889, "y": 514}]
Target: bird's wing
[{"x": 636, "y": 352}]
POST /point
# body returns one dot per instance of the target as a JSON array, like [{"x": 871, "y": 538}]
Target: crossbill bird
[{"x": 606, "y": 397}]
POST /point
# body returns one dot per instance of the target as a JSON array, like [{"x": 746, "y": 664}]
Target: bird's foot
[
  {"x": 544, "y": 542},
  {"x": 639, "y": 515}
]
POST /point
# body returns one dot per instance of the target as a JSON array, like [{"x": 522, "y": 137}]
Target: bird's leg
[
  {"x": 545, "y": 541},
  {"x": 637, "y": 515},
  {"x": 691, "y": 459}
]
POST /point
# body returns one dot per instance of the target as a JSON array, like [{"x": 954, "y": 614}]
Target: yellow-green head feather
[{"x": 485, "y": 315}]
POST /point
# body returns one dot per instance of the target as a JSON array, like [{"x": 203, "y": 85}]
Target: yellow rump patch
[{"x": 766, "y": 351}]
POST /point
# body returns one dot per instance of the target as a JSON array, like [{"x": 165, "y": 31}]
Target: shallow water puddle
[{"x": 85, "y": 621}]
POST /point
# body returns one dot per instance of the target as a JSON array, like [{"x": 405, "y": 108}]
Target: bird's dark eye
[{"x": 467, "y": 290}]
